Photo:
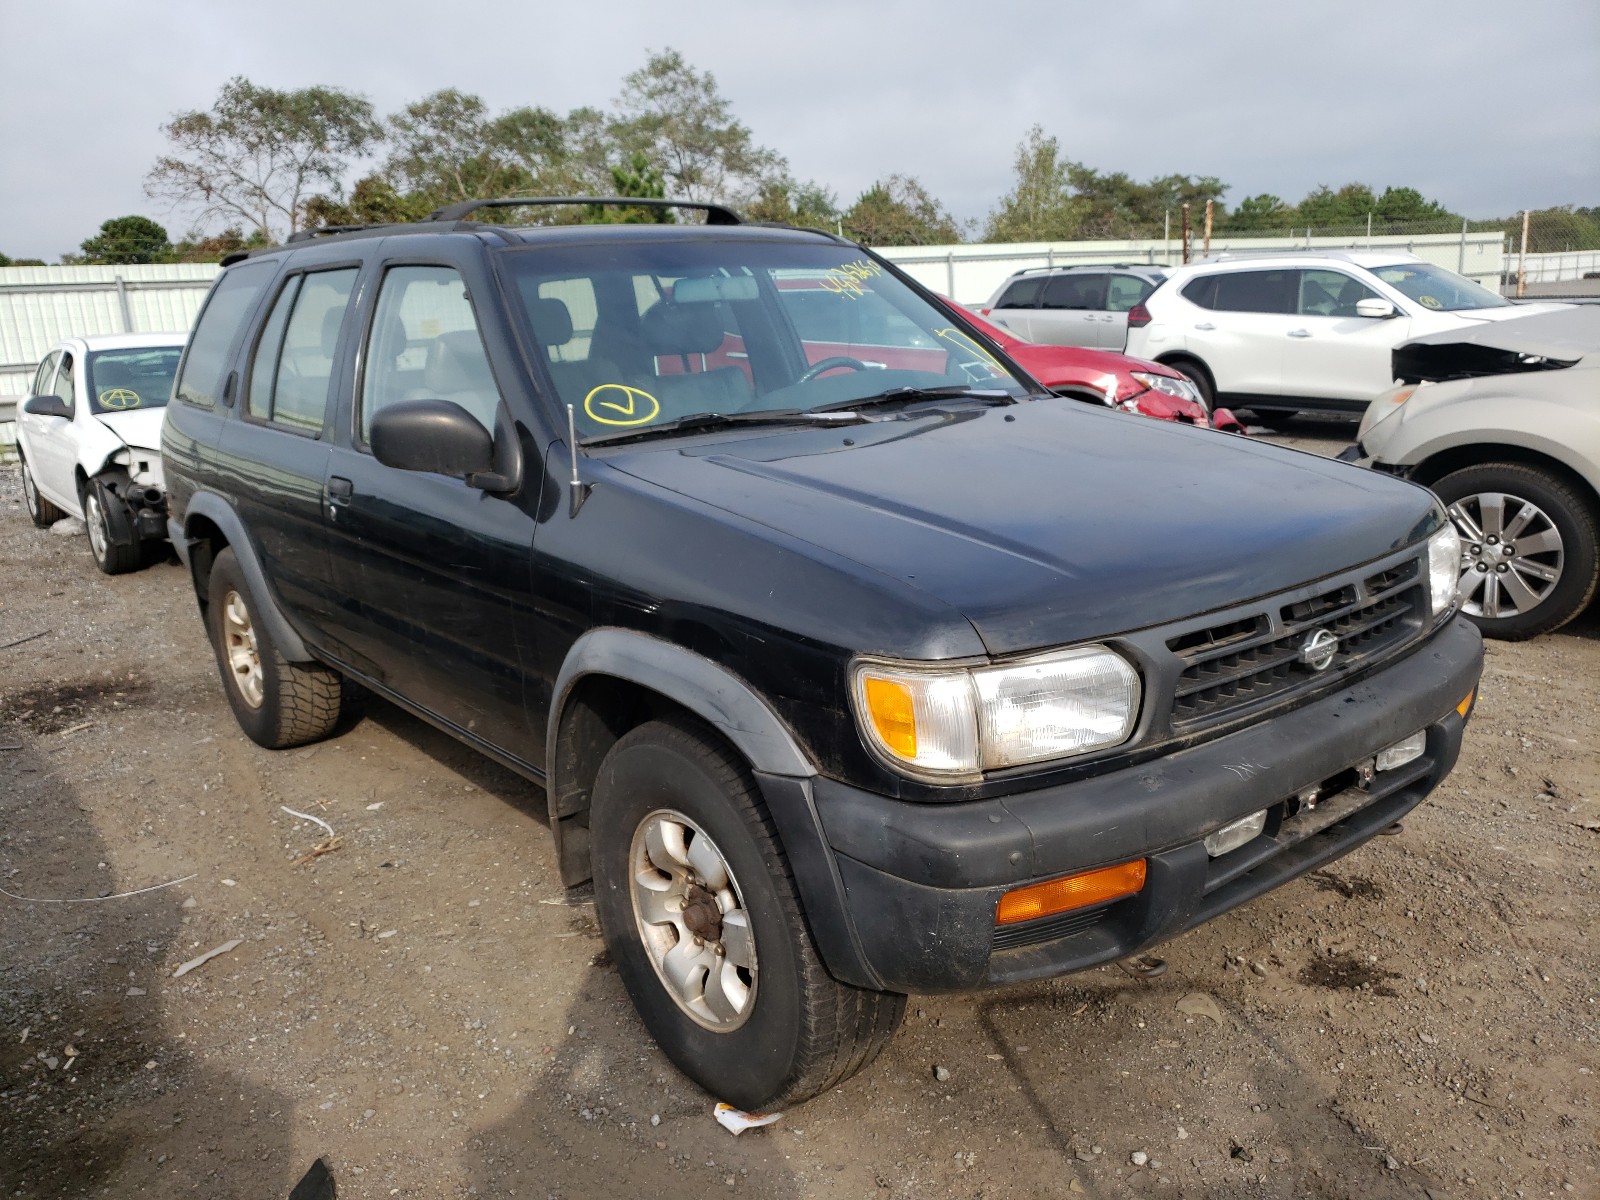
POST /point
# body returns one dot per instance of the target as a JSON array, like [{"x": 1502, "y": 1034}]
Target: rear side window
[
  {"x": 205, "y": 365},
  {"x": 1124, "y": 291},
  {"x": 1257, "y": 291},
  {"x": 1201, "y": 291},
  {"x": 291, "y": 377},
  {"x": 425, "y": 346},
  {"x": 1075, "y": 291},
  {"x": 1024, "y": 293}
]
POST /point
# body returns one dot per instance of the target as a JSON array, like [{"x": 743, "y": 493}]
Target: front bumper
[{"x": 919, "y": 883}]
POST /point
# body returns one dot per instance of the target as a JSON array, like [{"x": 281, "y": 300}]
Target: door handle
[
  {"x": 1205, "y": 325},
  {"x": 339, "y": 488},
  {"x": 1299, "y": 333}
]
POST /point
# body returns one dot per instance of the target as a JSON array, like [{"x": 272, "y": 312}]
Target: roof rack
[
  {"x": 716, "y": 214},
  {"x": 306, "y": 235},
  {"x": 1062, "y": 266}
]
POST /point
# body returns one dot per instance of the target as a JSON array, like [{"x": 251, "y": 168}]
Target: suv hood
[
  {"x": 1049, "y": 522},
  {"x": 136, "y": 426}
]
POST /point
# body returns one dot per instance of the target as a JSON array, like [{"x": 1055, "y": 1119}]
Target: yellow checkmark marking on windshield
[{"x": 621, "y": 405}]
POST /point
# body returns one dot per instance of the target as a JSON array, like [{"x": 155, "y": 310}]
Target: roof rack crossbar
[
  {"x": 306, "y": 235},
  {"x": 716, "y": 214}
]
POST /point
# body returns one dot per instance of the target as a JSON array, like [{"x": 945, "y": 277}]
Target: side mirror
[
  {"x": 46, "y": 406},
  {"x": 1378, "y": 310},
  {"x": 432, "y": 435}
]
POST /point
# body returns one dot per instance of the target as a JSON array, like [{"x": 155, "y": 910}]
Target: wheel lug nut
[
  {"x": 698, "y": 940},
  {"x": 1501, "y": 569},
  {"x": 1482, "y": 567},
  {"x": 718, "y": 950}
]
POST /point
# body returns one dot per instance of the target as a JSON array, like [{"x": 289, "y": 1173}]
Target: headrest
[
  {"x": 456, "y": 363},
  {"x": 552, "y": 321},
  {"x": 683, "y": 328},
  {"x": 331, "y": 320}
]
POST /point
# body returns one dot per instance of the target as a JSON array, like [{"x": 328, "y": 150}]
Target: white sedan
[{"x": 90, "y": 439}]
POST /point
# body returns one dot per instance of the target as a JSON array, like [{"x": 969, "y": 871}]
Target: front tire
[
  {"x": 1529, "y": 558},
  {"x": 40, "y": 511},
  {"x": 278, "y": 703},
  {"x": 109, "y": 556},
  {"x": 700, "y": 914}
]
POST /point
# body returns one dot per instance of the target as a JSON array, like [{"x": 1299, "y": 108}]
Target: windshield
[
  {"x": 1436, "y": 288},
  {"x": 133, "y": 378},
  {"x": 645, "y": 334}
]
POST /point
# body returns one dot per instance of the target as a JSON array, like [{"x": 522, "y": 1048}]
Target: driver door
[{"x": 52, "y": 442}]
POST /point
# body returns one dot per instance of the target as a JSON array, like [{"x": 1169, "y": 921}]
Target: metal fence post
[
  {"x": 950, "y": 273},
  {"x": 122, "y": 299},
  {"x": 1369, "y": 231},
  {"x": 1461, "y": 259},
  {"x": 1522, "y": 258}
]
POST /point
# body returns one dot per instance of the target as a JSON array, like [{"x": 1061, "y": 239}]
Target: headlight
[
  {"x": 1444, "y": 569},
  {"x": 1166, "y": 383},
  {"x": 960, "y": 722}
]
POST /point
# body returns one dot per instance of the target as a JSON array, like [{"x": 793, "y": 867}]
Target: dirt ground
[{"x": 426, "y": 1010}]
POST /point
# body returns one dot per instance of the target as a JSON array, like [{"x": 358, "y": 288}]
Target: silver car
[{"x": 1503, "y": 422}]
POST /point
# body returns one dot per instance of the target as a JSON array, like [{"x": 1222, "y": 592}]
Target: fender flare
[
  {"x": 713, "y": 693},
  {"x": 782, "y": 771},
  {"x": 221, "y": 514}
]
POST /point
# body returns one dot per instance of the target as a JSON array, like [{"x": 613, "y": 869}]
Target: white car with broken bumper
[{"x": 89, "y": 436}]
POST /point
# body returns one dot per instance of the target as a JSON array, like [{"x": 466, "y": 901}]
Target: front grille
[{"x": 1251, "y": 659}]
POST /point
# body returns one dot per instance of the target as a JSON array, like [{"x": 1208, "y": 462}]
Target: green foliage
[
  {"x": 198, "y": 248},
  {"x": 784, "y": 201},
  {"x": 127, "y": 240},
  {"x": 258, "y": 154},
  {"x": 676, "y": 117},
  {"x": 1040, "y": 206},
  {"x": 8, "y": 261},
  {"x": 1550, "y": 230},
  {"x": 636, "y": 177},
  {"x": 898, "y": 211},
  {"x": 1265, "y": 211}
]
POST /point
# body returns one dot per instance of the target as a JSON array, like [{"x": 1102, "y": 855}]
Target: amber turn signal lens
[
  {"x": 1466, "y": 705},
  {"x": 1069, "y": 892},
  {"x": 893, "y": 715}
]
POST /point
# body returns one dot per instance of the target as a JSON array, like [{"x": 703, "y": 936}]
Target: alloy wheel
[
  {"x": 691, "y": 918},
  {"x": 95, "y": 519},
  {"x": 1511, "y": 554},
  {"x": 244, "y": 657}
]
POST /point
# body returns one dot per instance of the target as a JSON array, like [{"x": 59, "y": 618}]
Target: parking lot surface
[{"x": 417, "y": 1001}]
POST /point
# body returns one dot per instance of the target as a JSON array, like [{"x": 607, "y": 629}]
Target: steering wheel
[{"x": 829, "y": 364}]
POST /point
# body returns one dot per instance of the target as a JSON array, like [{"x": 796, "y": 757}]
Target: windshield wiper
[
  {"x": 910, "y": 395},
  {"x": 699, "y": 421}
]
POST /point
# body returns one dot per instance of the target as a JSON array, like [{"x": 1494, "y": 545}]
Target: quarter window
[
  {"x": 425, "y": 345},
  {"x": 205, "y": 364},
  {"x": 291, "y": 378},
  {"x": 1124, "y": 291}
]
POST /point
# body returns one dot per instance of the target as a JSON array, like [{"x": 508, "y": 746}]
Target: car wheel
[
  {"x": 278, "y": 703},
  {"x": 1528, "y": 554},
  {"x": 1196, "y": 374},
  {"x": 700, "y": 914},
  {"x": 40, "y": 511},
  {"x": 1273, "y": 418},
  {"x": 110, "y": 557}
]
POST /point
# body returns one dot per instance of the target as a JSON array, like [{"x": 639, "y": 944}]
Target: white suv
[{"x": 1315, "y": 330}]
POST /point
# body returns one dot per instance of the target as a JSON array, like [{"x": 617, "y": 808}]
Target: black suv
[{"x": 853, "y": 663}]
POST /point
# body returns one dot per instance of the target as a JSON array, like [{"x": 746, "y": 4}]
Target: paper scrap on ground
[
  {"x": 1198, "y": 1004},
  {"x": 736, "y": 1122},
  {"x": 307, "y": 817},
  {"x": 207, "y": 957}
]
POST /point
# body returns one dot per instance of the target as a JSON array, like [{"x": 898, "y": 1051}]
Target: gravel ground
[{"x": 423, "y": 1007}]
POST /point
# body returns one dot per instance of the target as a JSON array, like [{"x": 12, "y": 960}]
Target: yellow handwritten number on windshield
[{"x": 618, "y": 404}]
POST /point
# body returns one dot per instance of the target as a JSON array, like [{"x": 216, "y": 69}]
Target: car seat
[{"x": 687, "y": 333}]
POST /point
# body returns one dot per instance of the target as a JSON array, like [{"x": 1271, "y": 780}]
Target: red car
[{"x": 1105, "y": 377}]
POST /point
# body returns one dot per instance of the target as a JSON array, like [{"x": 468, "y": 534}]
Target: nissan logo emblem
[{"x": 1318, "y": 650}]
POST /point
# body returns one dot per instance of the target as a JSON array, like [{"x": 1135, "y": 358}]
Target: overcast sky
[{"x": 1487, "y": 106}]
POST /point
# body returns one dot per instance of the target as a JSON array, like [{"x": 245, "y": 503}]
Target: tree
[
  {"x": 259, "y": 154},
  {"x": 196, "y": 247},
  {"x": 1326, "y": 207},
  {"x": 898, "y": 211},
  {"x": 127, "y": 240},
  {"x": 675, "y": 116},
  {"x": 784, "y": 201},
  {"x": 1117, "y": 206},
  {"x": 634, "y": 178},
  {"x": 1040, "y": 206},
  {"x": 1407, "y": 204},
  {"x": 1265, "y": 211}
]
